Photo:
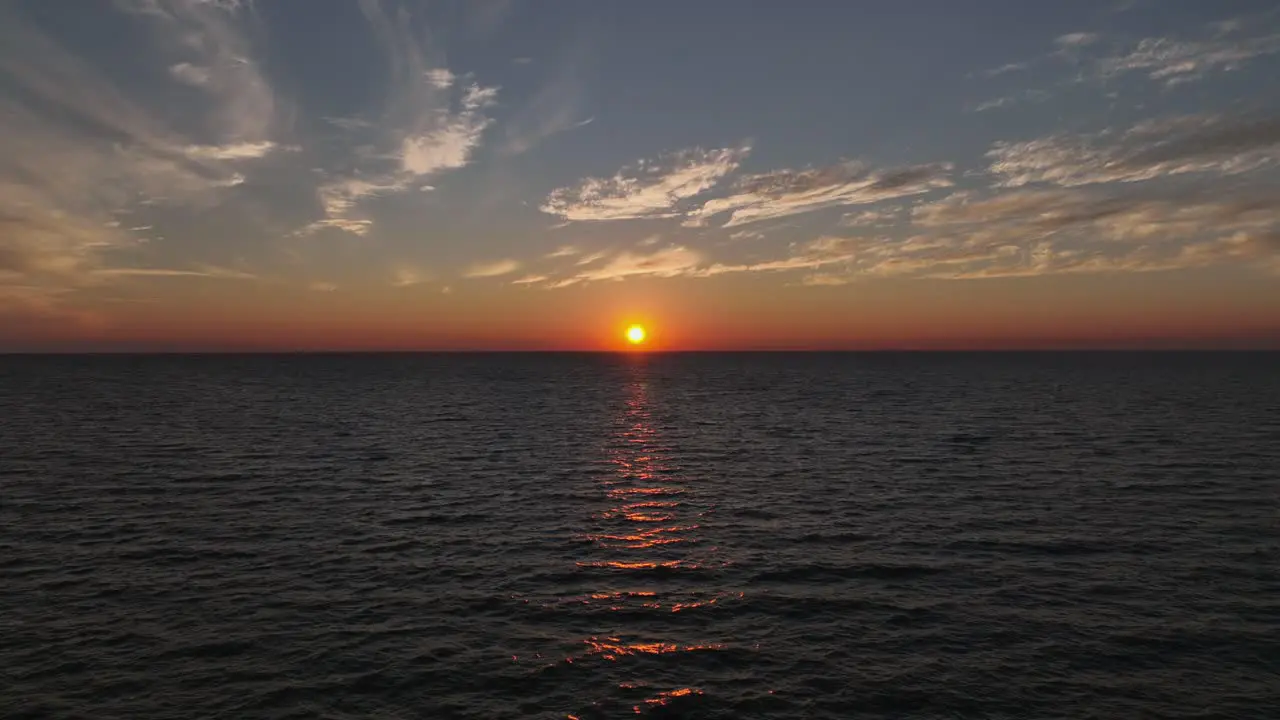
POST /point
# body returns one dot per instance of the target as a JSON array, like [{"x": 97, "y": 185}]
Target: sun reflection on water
[{"x": 646, "y": 550}]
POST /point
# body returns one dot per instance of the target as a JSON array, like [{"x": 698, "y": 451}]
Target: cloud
[
  {"x": 322, "y": 286},
  {"x": 78, "y": 149},
  {"x": 434, "y": 122},
  {"x": 406, "y": 276},
  {"x": 440, "y": 78},
  {"x": 555, "y": 107},
  {"x": 1035, "y": 214},
  {"x": 993, "y": 104},
  {"x": 349, "y": 124},
  {"x": 593, "y": 257},
  {"x": 680, "y": 261},
  {"x": 530, "y": 280},
  {"x": 1008, "y": 101},
  {"x": 563, "y": 251},
  {"x": 827, "y": 279},
  {"x": 211, "y": 44},
  {"x": 190, "y": 74},
  {"x": 1076, "y": 40},
  {"x": 665, "y": 262},
  {"x": 665, "y": 187},
  {"x": 1175, "y": 61},
  {"x": 1032, "y": 232},
  {"x": 819, "y": 253},
  {"x": 1028, "y": 232},
  {"x": 789, "y": 192},
  {"x": 340, "y": 198},
  {"x": 353, "y": 226},
  {"x": 673, "y": 261},
  {"x": 1012, "y": 233},
  {"x": 649, "y": 189},
  {"x": 1006, "y": 68},
  {"x": 38, "y": 246},
  {"x": 492, "y": 269},
  {"x": 206, "y": 271},
  {"x": 448, "y": 143},
  {"x": 1188, "y": 144},
  {"x": 1261, "y": 247},
  {"x": 233, "y": 151},
  {"x": 1167, "y": 60},
  {"x": 880, "y": 216},
  {"x": 435, "y": 127}
]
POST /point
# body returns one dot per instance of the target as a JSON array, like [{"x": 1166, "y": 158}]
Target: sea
[{"x": 753, "y": 535}]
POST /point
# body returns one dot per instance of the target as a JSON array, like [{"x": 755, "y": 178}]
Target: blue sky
[{"x": 188, "y": 151}]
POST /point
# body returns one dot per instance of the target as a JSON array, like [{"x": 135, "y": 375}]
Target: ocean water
[{"x": 681, "y": 536}]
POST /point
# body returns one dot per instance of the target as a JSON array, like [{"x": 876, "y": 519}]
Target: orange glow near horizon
[{"x": 1059, "y": 313}]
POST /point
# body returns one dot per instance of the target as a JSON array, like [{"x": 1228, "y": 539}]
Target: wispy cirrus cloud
[
  {"x": 1223, "y": 46},
  {"x": 557, "y": 106},
  {"x": 823, "y": 252},
  {"x": 205, "y": 271},
  {"x": 190, "y": 74},
  {"x": 1038, "y": 213},
  {"x": 1031, "y": 232},
  {"x": 789, "y": 192},
  {"x": 563, "y": 251},
  {"x": 1004, "y": 102},
  {"x": 448, "y": 141},
  {"x": 1006, "y": 69},
  {"x": 1149, "y": 150},
  {"x": 433, "y": 122},
  {"x": 496, "y": 268},
  {"x": 1076, "y": 40},
  {"x": 675, "y": 261},
  {"x": 407, "y": 276},
  {"x": 669, "y": 188},
  {"x": 231, "y": 151},
  {"x": 1069, "y": 230},
  {"x": 78, "y": 149},
  {"x": 648, "y": 189},
  {"x": 210, "y": 44},
  {"x": 665, "y": 262},
  {"x": 530, "y": 280},
  {"x": 877, "y": 217},
  {"x": 36, "y": 244},
  {"x": 340, "y": 199},
  {"x": 591, "y": 257},
  {"x": 436, "y": 118},
  {"x": 668, "y": 262},
  {"x": 993, "y": 104},
  {"x": 445, "y": 141},
  {"x": 1172, "y": 61},
  {"x": 440, "y": 78}
]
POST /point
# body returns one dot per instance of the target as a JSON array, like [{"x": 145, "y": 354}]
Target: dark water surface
[{"x": 593, "y": 536}]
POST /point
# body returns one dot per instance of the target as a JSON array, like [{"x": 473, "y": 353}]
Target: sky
[{"x": 202, "y": 175}]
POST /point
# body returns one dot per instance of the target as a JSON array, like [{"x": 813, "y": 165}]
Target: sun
[{"x": 635, "y": 334}]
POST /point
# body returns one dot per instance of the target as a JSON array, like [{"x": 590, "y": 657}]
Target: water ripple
[{"x": 702, "y": 536}]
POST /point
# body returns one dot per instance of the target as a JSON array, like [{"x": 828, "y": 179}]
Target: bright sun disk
[{"x": 635, "y": 334}]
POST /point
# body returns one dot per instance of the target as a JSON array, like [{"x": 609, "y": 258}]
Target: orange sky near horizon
[{"x": 716, "y": 314}]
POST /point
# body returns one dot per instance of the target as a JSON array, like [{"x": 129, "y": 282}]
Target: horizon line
[{"x": 641, "y": 353}]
